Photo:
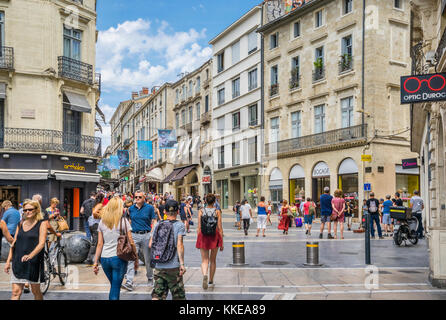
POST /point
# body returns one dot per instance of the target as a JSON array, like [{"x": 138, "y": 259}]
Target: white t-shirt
[
  {"x": 244, "y": 209},
  {"x": 111, "y": 238}
]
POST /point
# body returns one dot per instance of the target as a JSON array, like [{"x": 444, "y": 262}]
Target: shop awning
[
  {"x": 8, "y": 174},
  {"x": 77, "y": 102},
  {"x": 348, "y": 166},
  {"x": 81, "y": 177},
  {"x": 184, "y": 172},
  {"x": 2, "y": 90},
  {"x": 155, "y": 175},
  {"x": 171, "y": 175}
]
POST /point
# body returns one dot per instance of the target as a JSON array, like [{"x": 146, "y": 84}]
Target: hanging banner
[
  {"x": 100, "y": 167},
  {"x": 106, "y": 165},
  {"x": 167, "y": 139},
  {"x": 123, "y": 157},
  {"x": 114, "y": 163},
  {"x": 145, "y": 150}
]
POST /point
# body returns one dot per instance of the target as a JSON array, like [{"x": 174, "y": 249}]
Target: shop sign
[
  {"x": 72, "y": 166},
  {"x": 206, "y": 179},
  {"x": 410, "y": 163},
  {"x": 321, "y": 170},
  {"x": 366, "y": 158},
  {"x": 423, "y": 88}
]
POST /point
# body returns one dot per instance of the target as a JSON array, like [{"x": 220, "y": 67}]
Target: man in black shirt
[
  {"x": 373, "y": 210},
  {"x": 87, "y": 210},
  {"x": 398, "y": 201}
]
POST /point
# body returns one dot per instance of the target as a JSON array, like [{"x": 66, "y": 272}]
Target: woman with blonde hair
[
  {"x": 26, "y": 253},
  {"x": 53, "y": 214},
  {"x": 109, "y": 230},
  {"x": 337, "y": 216}
]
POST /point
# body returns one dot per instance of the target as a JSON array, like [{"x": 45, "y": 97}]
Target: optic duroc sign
[{"x": 423, "y": 88}]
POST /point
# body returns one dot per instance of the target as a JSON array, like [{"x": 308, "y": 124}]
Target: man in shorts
[
  {"x": 386, "y": 216},
  {"x": 326, "y": 210},
  {"x": 169, "y": 275}
]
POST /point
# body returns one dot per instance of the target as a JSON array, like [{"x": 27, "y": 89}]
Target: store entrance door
[
  {"x": 276, "y": 199},
  {"x": 235, "y": 186},
  {"x": 318, "y": 188},
  {"x": 71, "y": 208}
]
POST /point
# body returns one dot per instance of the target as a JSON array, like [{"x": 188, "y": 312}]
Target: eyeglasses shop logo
[{"x": 423, "y": 88}]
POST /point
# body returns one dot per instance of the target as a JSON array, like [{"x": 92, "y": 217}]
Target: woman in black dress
[{"x": 27, "y": 252}]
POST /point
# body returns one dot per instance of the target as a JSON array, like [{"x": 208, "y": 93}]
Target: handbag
[
  {"x": 63, "y": 225},
  {"x": 124, "y": 249}
]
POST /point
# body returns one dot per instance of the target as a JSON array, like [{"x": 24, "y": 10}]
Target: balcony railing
[
  {"x": 75, "y": 70},
  {"x": 6, "y": 58},
  {"x": 316, "y": 140},
  {"x": 44, "y": 140},
  {"x": 273, "y": 89},
  {"x": 441, "y": 46},
  {"x": 294, "y": 82},
  {"x": 345, "y": 64},
  {"x": 318, "y": 74}
]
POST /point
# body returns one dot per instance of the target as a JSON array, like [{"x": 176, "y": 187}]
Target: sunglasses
[
  {"x": 28, "y": 210},
  {"x": 138, "y": 197}
]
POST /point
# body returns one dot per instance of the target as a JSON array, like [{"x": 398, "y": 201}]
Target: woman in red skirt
[
  {"x": 209, "y": 244},
  {"x": 285, "y": 221}
]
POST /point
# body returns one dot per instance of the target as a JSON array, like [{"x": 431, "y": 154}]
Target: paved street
[{"x": 275, "y": 271}]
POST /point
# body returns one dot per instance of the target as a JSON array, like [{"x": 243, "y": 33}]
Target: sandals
[{"x": 205, "y": 282}]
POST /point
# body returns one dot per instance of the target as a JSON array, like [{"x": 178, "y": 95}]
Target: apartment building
[
  {"x": 428, "y": 129},
  {"x": 191, "y": 111},
  {"x": 236, "y": 110},
  {"x": 320, "y": 117},
  {"x": 48, "y": 95}
]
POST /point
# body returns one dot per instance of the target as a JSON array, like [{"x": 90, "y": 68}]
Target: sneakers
[
  {"x": 320, "y": 236},
  {"x": 205, "y": 282},
  {"x": 330, "y": 236},
  {"x": 306, "y": 231},
  {"x": 381, "y": 238},
  {"x": 128, "y": 286}
]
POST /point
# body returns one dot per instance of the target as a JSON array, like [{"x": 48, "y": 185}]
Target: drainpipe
[
  {"x": 262, "y": 106},
  {"x": 363, "y": 108}
]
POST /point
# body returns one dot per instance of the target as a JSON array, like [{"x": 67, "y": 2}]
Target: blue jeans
[
  {"x": 87, "y": 228},
  {"x": 420, "y": 229},
  {"x": 375, "y": 217},
  {"x": 114, "y": 268}
]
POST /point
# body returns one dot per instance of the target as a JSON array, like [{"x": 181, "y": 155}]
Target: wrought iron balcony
[
  {"x": 44, "y": 140},
  {"x": 317, "y": 140},
  {"x": 318, "y": 74},
  {"x": 294, "y": 82},
  {"x": 345, "y": 64},
  {"x": 6, "y": 58},
  {"x": 75, "y": 70},
  {"x": 274, "y": 89}
]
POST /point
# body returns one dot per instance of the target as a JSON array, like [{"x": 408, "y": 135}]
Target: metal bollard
[
  {"x": 312, "y": 255},
  {"x": 238, "y": 254}
]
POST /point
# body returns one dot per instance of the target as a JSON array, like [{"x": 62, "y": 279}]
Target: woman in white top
[
  {"x": 246, "y": 214},
  {"x": 108, "y": 234}
]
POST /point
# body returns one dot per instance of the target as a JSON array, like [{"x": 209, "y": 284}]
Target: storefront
[
  {"x": 407, "y": 181},
  {"x": 223, "y": 192},
  {"x": 153, "y": 180},
  {"x": 184, "y": 180},
  {"x": 206, "y": 180},
  {"x": 297, "y": 184},
  {"x": 321, "y": 179},
  {"x": 276, "y": 188},
  {"x": 66, "y": 178},
  {"x": 251, "y": 190},
  {"x": 348, "y": 181}
]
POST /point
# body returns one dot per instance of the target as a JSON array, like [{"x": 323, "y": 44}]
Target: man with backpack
[
  {"x": 372, "y": 208},
  {"x": 168, "y": 255}
]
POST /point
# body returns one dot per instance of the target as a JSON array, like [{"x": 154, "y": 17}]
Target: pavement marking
[
  {"x": 303, "y": 268},
  {"x": 269, "y": 297},
  {"x": 289, "y": 296},
  {"x": 285, "y": 240}
]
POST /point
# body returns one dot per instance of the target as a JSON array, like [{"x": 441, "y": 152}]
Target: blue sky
[{"x": 146, "y": 42}]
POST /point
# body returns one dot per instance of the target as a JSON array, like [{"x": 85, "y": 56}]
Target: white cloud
[{"x": 138, "y": 44}]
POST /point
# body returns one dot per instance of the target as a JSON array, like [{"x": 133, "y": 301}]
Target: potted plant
[
  {"x": 346, "y": 60},
  {"x": 294, "y": 82}
]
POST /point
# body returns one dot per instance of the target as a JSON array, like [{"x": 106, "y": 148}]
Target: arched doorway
[
  {"x": 321, "y": 179},
  {"x": 348, "y": 180},
  {"x": 297, "y": 184},
  {"x": 193, "y": 183},
  {"x": 276, "y": 188}
]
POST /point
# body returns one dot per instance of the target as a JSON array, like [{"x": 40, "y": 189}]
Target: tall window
[
  {"x": 235, "y": 52},
  {"x": 235, "y": 88},
  {"x": 347, "y": 112},
  {"x": 398, "y": 4},
  {"x": 236, "y": 154},
  {"x": 221, "y": 124},
  {"x": 296, "y": 29},
  {"x": 221, "y": 157},
  {"x": 275, "y": 129},
  {"x": 198, "y": 112},
  {"x": 206, "y": 103},
  {"x": 177, "y": 96},
  {"x": 2, "y": 28},
  {"x": 319, "y": 54},
  {"x": 190, "y": 114},
  {"x": 274, "y": 75},
  {"x": 161, "y": 119},
  {"x": 347, "y": 47},
  {"x": 296, "y": 124},
  {"x": 198, "y": 87},
  {"x": 274, "y": 40},
  {"x": 236, "y": 121},
  {"x": 252, "y": 79},
  {"x": 252, "y": 42},
  {"x": 318, "y": 17},
  {"x": 221, "y": 96},
  {"x": 72, "y": 43},
  {"x": 295, "y": 72},
  {"x": 190, "y": 89},
  {"x": 183, "y": 117},
  {"x": 252, "y": 150},
  {"x": 183, "y": 88},
  {"x": 347, "y": 6},
  {"x": 319, "y": 119},
  {"x": 252, "y": 115},
  {"x": 220, "y": 62}
]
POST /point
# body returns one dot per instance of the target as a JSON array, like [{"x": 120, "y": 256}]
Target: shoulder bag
[
  {"x": 125, "y": 250},
  {"x": 63, "y": 225}
]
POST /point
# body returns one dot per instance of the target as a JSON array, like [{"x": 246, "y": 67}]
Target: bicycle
[{"x": 58, "y": 256}]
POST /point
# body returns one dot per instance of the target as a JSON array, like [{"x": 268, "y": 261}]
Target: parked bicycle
[{"x": 55, "y": 265}]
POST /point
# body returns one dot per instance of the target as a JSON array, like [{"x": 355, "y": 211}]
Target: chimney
[
  {"x": 134, "y": 95},
  {"x": 145, "y": 91}
]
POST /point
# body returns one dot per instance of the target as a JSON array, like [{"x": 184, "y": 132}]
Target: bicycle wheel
[
  {"x": 62, "y": 267},
  {"x": 44, "y": 286}
]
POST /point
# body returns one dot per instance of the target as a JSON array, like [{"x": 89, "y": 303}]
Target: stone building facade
[
  {"x": 319, "y": 120},
  {"x": 428, "y": 129},
  {"x": 48, "y": 99}
]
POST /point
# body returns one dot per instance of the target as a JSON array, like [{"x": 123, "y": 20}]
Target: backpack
[
  {"x": 163, "y": 243},
  {"x": 373, "y": 208},
  {"x": 209, "y": 222},
  {"x": 311, "y": 210}
]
